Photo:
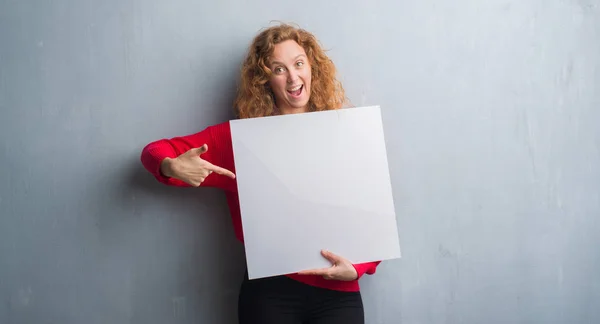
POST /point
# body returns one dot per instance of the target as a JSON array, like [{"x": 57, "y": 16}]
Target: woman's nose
[{"x": 292, "y": 76}]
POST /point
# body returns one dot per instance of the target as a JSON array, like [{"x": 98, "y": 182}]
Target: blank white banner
[{"x": 314, "y": 181}]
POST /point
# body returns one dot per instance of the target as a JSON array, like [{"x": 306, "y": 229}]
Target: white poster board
[{"x": 314, "y": 181}]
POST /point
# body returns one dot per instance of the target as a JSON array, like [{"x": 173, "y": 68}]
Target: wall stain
[
  {"x": 179, "y": 307},
  {"x": 445, "y": 253}
]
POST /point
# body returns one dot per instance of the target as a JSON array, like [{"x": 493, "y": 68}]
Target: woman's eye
[
  {"x": 278, "y": 70},
  {"x": 300, "y": 63}
]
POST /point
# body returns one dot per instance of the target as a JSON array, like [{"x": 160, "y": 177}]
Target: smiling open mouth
[{"x": 296, "y": 91}]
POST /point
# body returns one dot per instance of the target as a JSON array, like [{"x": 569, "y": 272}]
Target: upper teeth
[{"x": 296, "y": 88}]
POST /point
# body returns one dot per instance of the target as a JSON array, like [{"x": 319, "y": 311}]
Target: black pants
[{"x": 281, "y": 300}]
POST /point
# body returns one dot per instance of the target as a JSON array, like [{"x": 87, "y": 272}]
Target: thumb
[
  {"x": 331, "y": 257},
  {"x": 200, "y": 150}
]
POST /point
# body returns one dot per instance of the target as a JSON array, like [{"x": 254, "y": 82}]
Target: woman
[{"x": 285, "y": 72}]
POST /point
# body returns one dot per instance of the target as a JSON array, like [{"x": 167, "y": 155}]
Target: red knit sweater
[{"x": 220, "y": 153}]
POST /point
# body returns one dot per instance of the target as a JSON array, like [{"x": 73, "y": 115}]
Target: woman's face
[{"x": 291, "y": 77}]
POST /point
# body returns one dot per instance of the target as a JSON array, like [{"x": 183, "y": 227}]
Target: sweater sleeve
[
  {"x": 215, "y": 137},
  {"x": 368, "y": 268}
]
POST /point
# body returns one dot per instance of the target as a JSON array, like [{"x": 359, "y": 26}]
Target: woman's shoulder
[{"x": 222, "y": 127}]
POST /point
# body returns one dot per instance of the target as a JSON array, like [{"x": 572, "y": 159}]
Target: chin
[
  {"x": 298, "y": 103},
  {"x": 303, "y": 107}
]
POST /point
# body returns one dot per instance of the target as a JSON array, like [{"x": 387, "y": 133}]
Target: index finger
[
  {"x": 221, "y": 171},
  {"x": 317, "y": 272}
]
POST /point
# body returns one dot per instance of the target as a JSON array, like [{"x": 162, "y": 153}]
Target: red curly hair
[{"x": 254, "y": 97}]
